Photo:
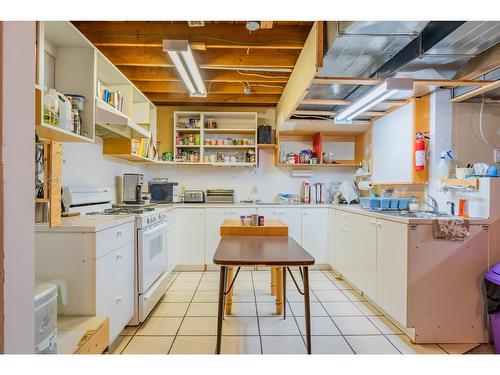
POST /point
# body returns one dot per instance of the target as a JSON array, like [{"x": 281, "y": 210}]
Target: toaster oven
[{"x": 194, "y": 196}]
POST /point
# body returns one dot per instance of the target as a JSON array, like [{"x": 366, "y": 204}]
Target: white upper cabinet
[{"x": 392, "y": 151}]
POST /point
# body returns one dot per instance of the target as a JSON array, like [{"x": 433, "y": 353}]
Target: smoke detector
[
  {"x": 196, "y": 23},
  {"x": 253, "y": 25}
]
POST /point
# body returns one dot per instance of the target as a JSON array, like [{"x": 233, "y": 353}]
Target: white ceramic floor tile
[
  {"x": 341, "y": 284},
  {"x": 342, "y": 309},
  {"x": 240, "y": 345},
  {"x": 266, "y": 308},
  {"x": 320, "y": 326},
  {"x": 129, "y": 330},
  {"x": 183, "y": 285},
  {"x": 160, "y": 326},
  {"x": 194, "y": 345},
  {"x": 404, "y": 345},
  {"x": 243, "y": 309},
  {"x": 149, "y": 345},
  {"x": 119, "y": 344},
  {"x": 243, "y": 285},
  {"x": 178, "y": 296},
  {"x": 198, "y": 326},
  {"x": 322, "y": 285},
  {"x": 264, "y": 296},
  {"x": 206, "y": 296},
  {"x": 330, "y": 296},
  {"x": 262, "y": 285},
  {"x": 385, "y": 325},
  {"x": 209, "y": 285},
  {"x": 371, "y": 345},
  {"x": 316, "y": 309},
  {"x": 355, "y": 325},
  {"x": 367, "y": 308},
  {"x": 317, "y": 275},
  {"x": 203, "y": 309},
  {"x": 189, "y": 276},
  {"x": 283, "y": 345},
  {"x": 278, "y": 326},
  {"x": 353, "y": 296},
  {"x": 170, "y": 309},
  {"x": 292, "y": 295},
  {"x": 330, "y": 345},
  {"x": 261, "y": 275},
  {"x": 211, "y": 276},
  {"x": 243, "y": 296},
  {"x": 240, "y": 326}
]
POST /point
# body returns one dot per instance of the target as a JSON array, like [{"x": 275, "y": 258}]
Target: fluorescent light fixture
[
  {"x": 183, "y": 59},
  {"x": 383, "y": 91}
]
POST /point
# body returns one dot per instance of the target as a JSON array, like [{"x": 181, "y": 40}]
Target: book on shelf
[
  {"x": 113, "y": 98},
  {"x": 141, "y": 146}
]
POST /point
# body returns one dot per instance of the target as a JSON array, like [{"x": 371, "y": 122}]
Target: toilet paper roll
[{"x": 365, "y": 185}]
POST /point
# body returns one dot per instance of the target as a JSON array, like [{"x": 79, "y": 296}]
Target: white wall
[
  {"x": 269, "y": 180},
  {"x": 19, "y": 170},
  {"x": 85, "y": 165}
]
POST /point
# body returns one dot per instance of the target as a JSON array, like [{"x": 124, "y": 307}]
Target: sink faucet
[{"x": 434, "y": 203}]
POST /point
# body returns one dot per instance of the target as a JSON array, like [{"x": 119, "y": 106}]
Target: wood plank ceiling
[{"x": 230, "y": 57}]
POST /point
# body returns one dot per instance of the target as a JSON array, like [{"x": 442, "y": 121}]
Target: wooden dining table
[{"x": 236, "y": 250}]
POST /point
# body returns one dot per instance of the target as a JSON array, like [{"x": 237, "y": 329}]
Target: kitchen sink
[{"x": 419, "y": 214}]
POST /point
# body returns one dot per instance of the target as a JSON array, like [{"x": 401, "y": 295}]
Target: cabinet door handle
[
  {"x": 304, "y": 213},
  {"x": 119, "y": 300},
  {"x": 345, "y": 229},
  {"x": 343, "y": 215},
  {"x": 379, "y": 225},
  {"x": 119, "y": 233},
  {"x": 119, "y": 256},
  {"x": 373, "y": 222}
]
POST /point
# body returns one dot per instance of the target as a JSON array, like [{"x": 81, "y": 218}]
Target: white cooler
[{"x": 45, "y": 318}]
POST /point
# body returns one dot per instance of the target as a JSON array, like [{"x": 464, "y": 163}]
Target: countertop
[
  {"x": 356, "y": 209},
  {"x": 86, "y": 223},
  {"x": 243, "y": 205}
]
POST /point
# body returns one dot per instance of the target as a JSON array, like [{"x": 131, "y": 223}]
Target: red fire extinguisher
[{"x": 420, "y": 151}]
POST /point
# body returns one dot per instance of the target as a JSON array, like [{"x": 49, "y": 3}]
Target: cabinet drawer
[
  {"x": 113, "y": 238},
  {"x": 112, "y": 272},
  {"x": 344, "y": 218},
  {"x": 119, "y": 309}
]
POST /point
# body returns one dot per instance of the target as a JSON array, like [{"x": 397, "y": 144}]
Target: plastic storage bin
[
  {"x": 45, "y": 318},
  {"x": 394, "y": 203},
  {"x": 403, "y": 203},
  {"x": 369, "y": 202},
  {"x": 492, "y": 285},
  {"x": 385, "y": 203}
]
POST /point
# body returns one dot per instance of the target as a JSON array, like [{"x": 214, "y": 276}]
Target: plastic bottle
[
  {"x": 444, "y": 166},
  {"x": 51, "y": 107}
]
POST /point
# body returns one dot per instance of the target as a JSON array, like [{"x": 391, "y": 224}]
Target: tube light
[
  {"x": 183, "y": 60},
  {"x": 383, "y": 91}
]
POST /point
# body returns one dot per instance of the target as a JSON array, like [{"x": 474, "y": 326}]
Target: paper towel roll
[{"x": 364, "y": 185}]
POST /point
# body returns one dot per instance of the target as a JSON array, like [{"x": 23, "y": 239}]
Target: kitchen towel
[{"x": 450, "y": 229}]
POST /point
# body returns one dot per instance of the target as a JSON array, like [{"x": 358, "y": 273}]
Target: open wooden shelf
[
  {"x": 267, "y": 145},
  {"x": 234, "y": 147},
  {"x": 54, "y": 133},
  {"x": 229, "y": 131},
  {"x": 340, "y": 165},
  {"x": 472, "y": 183},
  {"x": 188, "y": 130},
  {"x": 188, "y": 146}
]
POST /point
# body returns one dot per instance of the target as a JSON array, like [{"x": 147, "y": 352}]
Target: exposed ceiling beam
[
  {"x": 140, "y": 56},
  {"x": 375, "y": 81},
  {"x": 159, "y": 74},
  {"x": 142, "y": 32},
  {"x": 347, "y": 102},
  {"x": 266, "y": 24},
  {"x": 213, "y": 87},
  {"x": 481, "y": 64},
  {"x": 233, "y": 99},
  {"x": 476, "y": 92}
]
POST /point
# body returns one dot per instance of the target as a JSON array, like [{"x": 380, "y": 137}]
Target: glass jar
[{"x": 413, "y": 203}]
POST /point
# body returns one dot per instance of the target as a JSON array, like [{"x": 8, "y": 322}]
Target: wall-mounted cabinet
[
  {"x": 330, "y": 149},
  {"x": 393, "y": 140},
  {"x": 70, "y": 64}
]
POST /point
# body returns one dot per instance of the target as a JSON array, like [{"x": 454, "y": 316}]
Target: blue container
[
  {"x": 385, "y": 203},
  {"x": 403, "y": 203},
  {"x": 369, "y": 202},
  {"x": 394, "y": 203}
]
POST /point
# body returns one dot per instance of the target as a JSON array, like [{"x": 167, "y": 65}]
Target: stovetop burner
[{"x": 123, "y": 211}]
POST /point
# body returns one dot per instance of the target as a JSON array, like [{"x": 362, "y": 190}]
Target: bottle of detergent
[{"x": 444, "y": 166}]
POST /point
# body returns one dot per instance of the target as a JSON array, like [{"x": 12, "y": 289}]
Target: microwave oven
[{"x": 163, "y": 192}]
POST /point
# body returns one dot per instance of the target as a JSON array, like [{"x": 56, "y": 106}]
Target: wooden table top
[
  {"x": 270, "y": 228},
  {"x": 261, "y": 251}
]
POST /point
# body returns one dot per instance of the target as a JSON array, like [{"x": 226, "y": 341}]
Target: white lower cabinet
[
  {"x": 214, "y": 217},
  {"x": 98, "y": 268},
  {"x": 315, "y": 233},
  {"x": 345, "y": 240},
  {"x": 392, "y": 266},
  {"x": 365, "y": 276},
  {"x": 190, "y": 237},
  {"x": 291, "y": 216}
]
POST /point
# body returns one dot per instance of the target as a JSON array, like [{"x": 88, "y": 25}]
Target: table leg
[
  {"x": 220, "y": 312},
  {"x": 307, "y": 308},
  {"x": 279, "y": 290},
  {"x": 229, "y": 296},
  {"x": 273, "y": 281},
  {"x": 284, "y": 292}
]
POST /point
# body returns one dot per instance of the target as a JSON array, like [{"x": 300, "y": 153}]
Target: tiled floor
[{"x": 342, "y": 322}]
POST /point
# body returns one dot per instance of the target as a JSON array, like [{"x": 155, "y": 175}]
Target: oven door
[{"x": 152, "y": 254}]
